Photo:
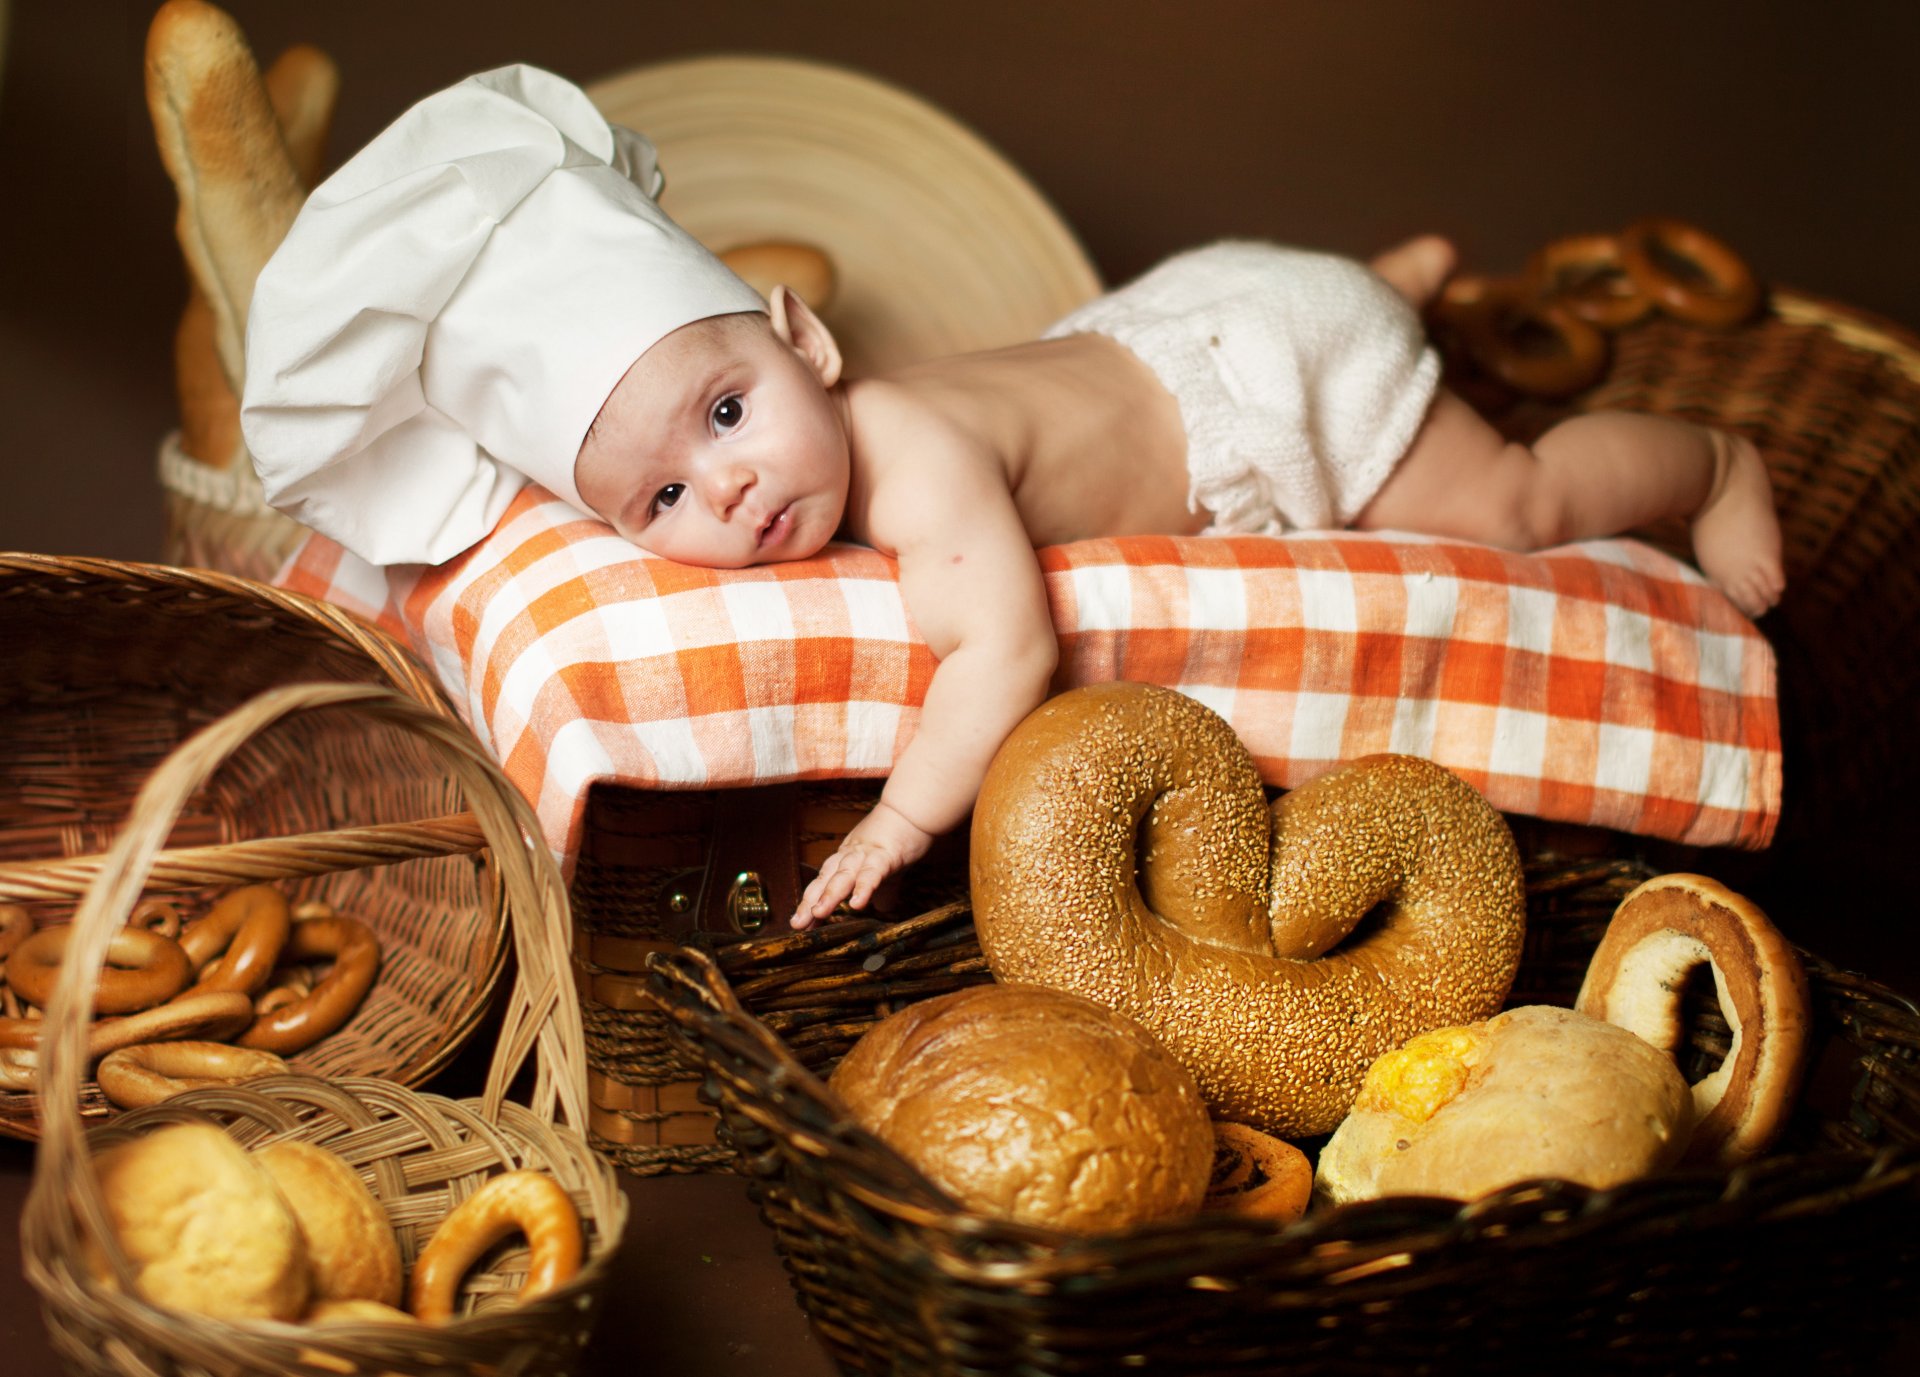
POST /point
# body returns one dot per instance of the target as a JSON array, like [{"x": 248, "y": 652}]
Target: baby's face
[{"x": 722, "y": 447}]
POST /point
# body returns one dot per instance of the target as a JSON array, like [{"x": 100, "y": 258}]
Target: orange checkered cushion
[{"x": 1600, "y": 683}]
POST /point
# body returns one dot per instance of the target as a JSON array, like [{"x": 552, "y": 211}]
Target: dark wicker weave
[
  {"x": 1793, "y": 1263},
  {"x": 111, "y": 665}
]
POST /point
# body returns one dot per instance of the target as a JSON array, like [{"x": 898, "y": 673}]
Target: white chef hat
[{"x": 451, "y": 308}]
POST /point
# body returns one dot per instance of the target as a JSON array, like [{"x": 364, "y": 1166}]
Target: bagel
[
  {"x": 1671, "y": 925},
  {"x": 1583, "y": 272},
  {"x": 296, "y": 1026},
  {"x": 149, "y": 1072},
  {"x": 1531, "y": 344},
  {"x": 143, "y": 969},
  {"x": 1217, "y": 937},
  {"x": 527, "y": 1202},
  {"x": 246, "y": 930},
  {"x": 157, "y": 915},
  {"x": 1688, "y": 273},
  {"x": 215, "y": 1014}
]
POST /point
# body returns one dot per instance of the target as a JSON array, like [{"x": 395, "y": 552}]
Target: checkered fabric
[{"x": 1602, "y": 683}]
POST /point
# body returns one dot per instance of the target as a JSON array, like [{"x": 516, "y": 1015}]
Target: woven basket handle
[{"x": 543, "y": 1013}]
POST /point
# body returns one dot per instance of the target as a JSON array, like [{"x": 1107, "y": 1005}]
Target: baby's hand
[{"x": 883, "y": 841}]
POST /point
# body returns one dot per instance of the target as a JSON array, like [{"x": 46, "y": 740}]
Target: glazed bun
[
  {"x": 203, "y": 1225},
  {"x": 350, "y": 1244},
  {"x": 1533, "y": 1092},
  {"x": 1034, "y": 1105}
]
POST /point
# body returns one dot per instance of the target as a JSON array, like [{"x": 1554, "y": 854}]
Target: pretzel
[
  {"x": 150, "y": 1072},
  {"x": 527, "y": 1202},
  {"x": 1669, "y": 926},
  {"x": 1257, "y": 1176},
  {"x": 1530, "y": 344},
  {"x": 356, "y": 960},
  {"x": 143, "y": 969},
  {"x": 217, "y": 1014},
  {"x": 1217, "y": 934},
  {"x": 247, "y": 930},
  {"x": 1688, "y": 273},
  {"x": 1583, "y": 272}
]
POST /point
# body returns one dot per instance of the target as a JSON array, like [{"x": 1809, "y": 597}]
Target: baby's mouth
[{"x": 775, "y": 529}]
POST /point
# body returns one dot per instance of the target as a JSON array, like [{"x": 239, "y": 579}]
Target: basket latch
[{"x": 747, "y": 905}]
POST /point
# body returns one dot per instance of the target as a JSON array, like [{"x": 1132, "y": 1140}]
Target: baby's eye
[
  {"x": 666, "y": 497},
  {"x": 728, "y": 412}
]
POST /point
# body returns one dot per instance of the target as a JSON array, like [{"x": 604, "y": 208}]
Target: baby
[{"x": 1236, "y": 388}]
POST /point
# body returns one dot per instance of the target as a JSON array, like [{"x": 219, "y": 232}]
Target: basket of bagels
[
  {"x": 325, "y": 900},
  {"x": 1345, "y": 1080},
  {"x": 247, "y": 1217}
]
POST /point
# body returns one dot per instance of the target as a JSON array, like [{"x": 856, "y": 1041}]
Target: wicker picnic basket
[
  {"x": 1796, "y": 1262},
  {"x": 420, "y": 1154},
  {"x": 111, "y": 665}
]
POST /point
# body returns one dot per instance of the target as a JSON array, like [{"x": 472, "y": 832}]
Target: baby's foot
[
  {"x": 1418, "y": 268},
  {"x": 1736, "y": 536}
]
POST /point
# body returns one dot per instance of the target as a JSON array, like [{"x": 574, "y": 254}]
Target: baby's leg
[
  {"x": 1596, "y": 475},
  {"x": 1418, "y": 268}
]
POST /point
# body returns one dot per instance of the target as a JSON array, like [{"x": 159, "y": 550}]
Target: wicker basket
[
  {"x": 110, "y": 666},
  {"x": 420, "y": 1154},
  {"x": 1832, "y": 397},
  {"x": 1793, "y": 1263}
]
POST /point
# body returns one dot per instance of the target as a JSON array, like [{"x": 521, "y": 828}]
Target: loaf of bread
[
  {"x": 1034, "y": 1105},
  {"x": 350, "y": 1243},
  {"x": 203, "y": 1225},
  {"x": 1533, "y": 1092}
]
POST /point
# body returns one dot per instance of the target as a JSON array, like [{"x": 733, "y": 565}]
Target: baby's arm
[{"x": 974, "y": 589}]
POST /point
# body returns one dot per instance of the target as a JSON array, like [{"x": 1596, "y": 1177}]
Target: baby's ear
[{"x": 796, "y": 324}]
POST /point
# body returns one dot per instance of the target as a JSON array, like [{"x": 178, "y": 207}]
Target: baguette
[
  {"x": 303, "y": 86},
  {"x": 222, "y": 147}
]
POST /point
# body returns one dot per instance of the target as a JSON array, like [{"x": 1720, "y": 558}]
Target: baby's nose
[{"x": 727, "y": 485}]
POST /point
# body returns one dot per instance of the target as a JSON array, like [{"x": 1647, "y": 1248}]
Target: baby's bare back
[{"x": 1089, "y": 441}]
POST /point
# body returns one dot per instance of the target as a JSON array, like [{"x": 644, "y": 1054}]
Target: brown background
[{"x": 1789, "y": 130}]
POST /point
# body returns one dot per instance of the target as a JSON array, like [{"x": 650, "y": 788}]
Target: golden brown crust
[
  {"x": 1205, "y": 947},
  {"x": 203, "y": 1225},
  {"x": 805, "y": 271},
  {"x": 150, "y": 1072},
  {"x": 303, "y": 86},
  {"x": 1034, "y": 1105},
  {"x": 1660, "y": 931},
  {"x": 1257, "y": 1176},
  {"x": 1533, "y": 1092},
  {"x": 222, "y": 148},
  {"x": 351, "y": 1247}
]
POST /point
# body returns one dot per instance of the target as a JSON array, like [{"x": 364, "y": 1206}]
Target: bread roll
[
  {"x": 1533, "y": 1092},
  {"x": 203, "y": 1225},
  {"x": 1034, "y": 1105},
  {"x": 350, "y": 1243}
]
